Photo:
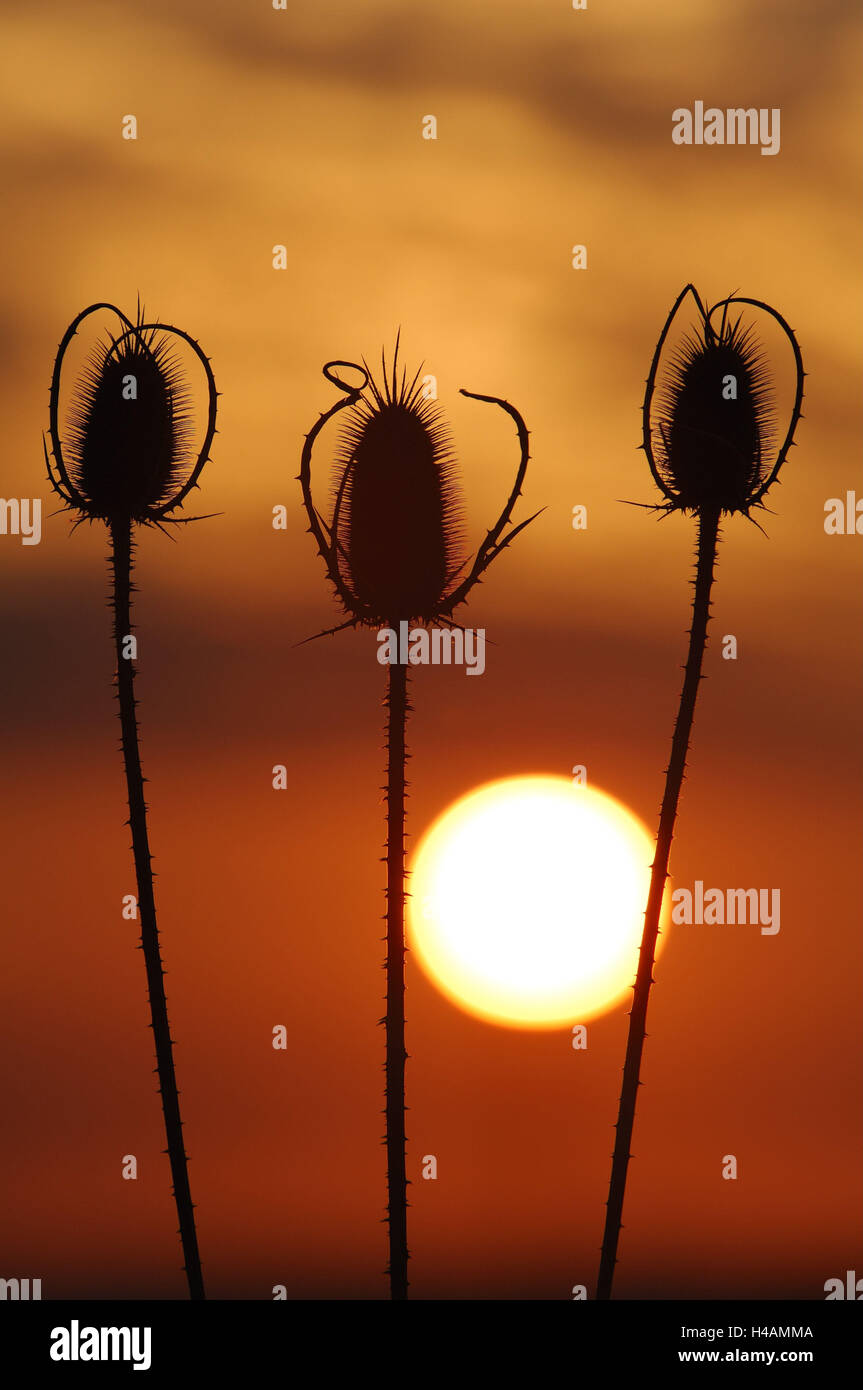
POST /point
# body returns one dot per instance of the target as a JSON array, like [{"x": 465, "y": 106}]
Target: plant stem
[
  {"x": 121, "y": 553},
  {"x": 397, "y": 707},
  {"x": 708, "y": 534}
]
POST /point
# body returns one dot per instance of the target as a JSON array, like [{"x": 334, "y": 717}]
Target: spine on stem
[
  {"x": 708, "y": 533},
  {"x": 397, "y": 712},
  {"x": 121, "y": 554}
]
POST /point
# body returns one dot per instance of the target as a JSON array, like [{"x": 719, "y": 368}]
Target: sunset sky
[{"x": 257, "y": 128}]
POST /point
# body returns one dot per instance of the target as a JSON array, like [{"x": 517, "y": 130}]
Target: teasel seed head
[
  {"x": 397, "y": 514},
  {"x": 710, "y": 424},
  {"x": 391, "y": 548},
  {"x": 128, "y": 451}
]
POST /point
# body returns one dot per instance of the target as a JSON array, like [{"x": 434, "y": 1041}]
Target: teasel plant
[
  {"x": 128, "y": 460},
  {"x": 710, "y": 433},
  {"x": 392, "y": 554}
]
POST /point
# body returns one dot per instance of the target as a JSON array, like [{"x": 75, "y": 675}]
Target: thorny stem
[
  {"x": 397, "y": 707},
  {"x": 708, "y": 533},
  {"x": 121, "y": 553}
]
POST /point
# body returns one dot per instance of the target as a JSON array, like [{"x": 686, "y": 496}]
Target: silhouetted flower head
[
  {"x": 128, "y": 450},
  {"x": 710, "y": 422},
  {"x": 392, "y": 545},
  {"x": 397, "y": 501}
]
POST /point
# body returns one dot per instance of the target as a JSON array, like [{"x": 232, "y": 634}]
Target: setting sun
[{"x": 527, "y": 902}]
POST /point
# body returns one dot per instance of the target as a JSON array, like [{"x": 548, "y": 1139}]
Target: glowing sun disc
[{"x": 528, "y": 900}]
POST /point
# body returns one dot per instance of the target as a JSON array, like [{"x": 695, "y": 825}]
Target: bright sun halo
[{"x": 528, "y": 900}]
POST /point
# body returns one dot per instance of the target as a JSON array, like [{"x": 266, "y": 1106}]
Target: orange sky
[{"x": 259, "y": 127}]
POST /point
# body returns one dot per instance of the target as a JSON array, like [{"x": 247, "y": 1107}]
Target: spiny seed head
[
  {"x": 397, "y": 507},
  {"x": 712, "y": 433},
  {"x": 128, "y": 448}
]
